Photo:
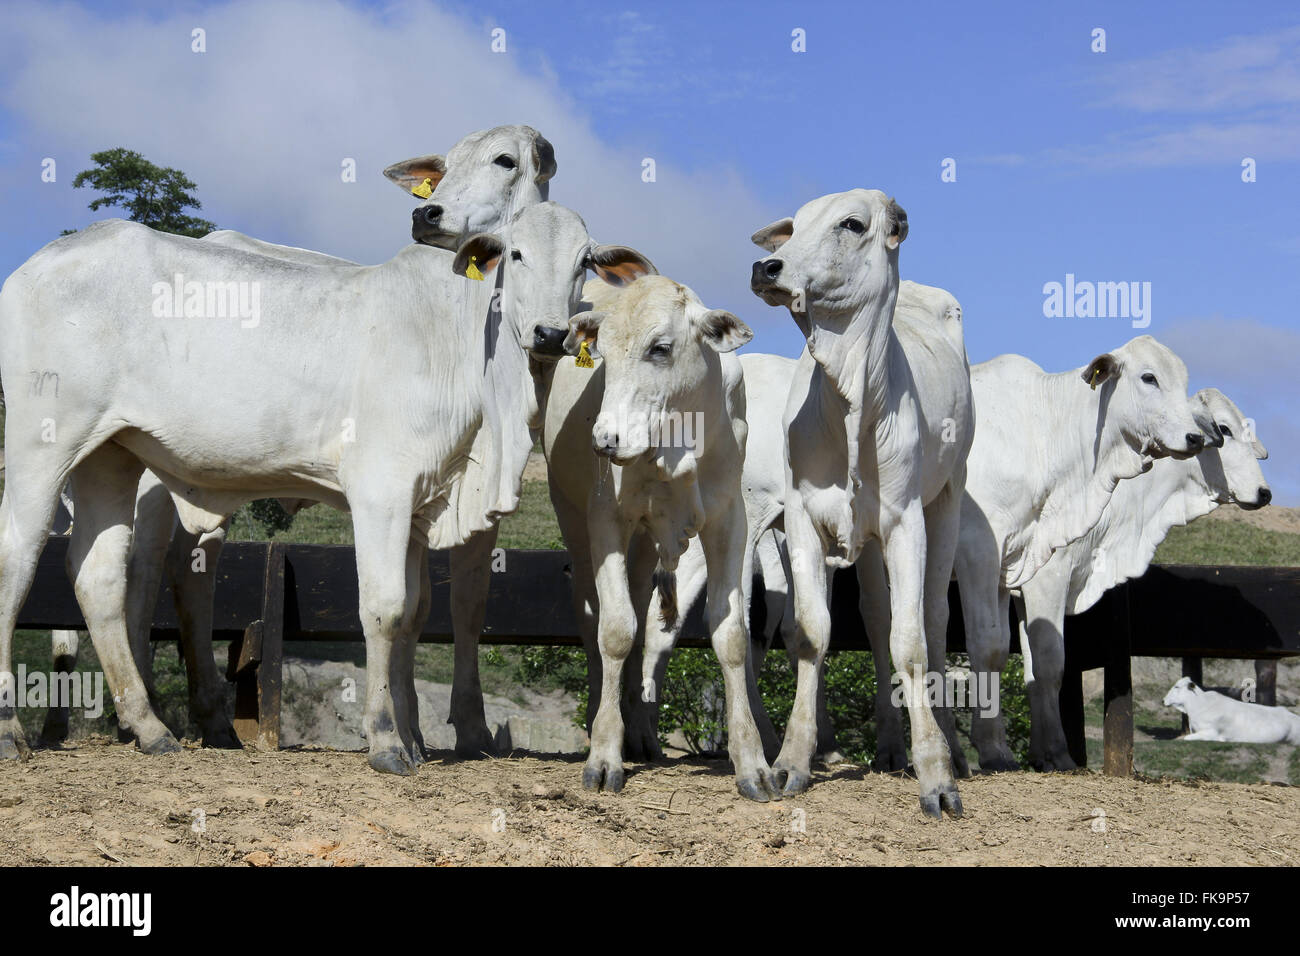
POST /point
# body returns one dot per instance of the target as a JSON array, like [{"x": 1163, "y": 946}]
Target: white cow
[
  {"x": 652, "y": 440},
  {"x": 878, "y": 426},
  {"x": 1120, "y": 547},
  {"x": 482, "y": 183},
  {"x": 1048, "y": 454},
  {"x": 400, "y": 392},
  {"x": 1213, "y": 716}
]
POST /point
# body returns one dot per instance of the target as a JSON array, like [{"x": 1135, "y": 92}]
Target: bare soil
[
  {"x": 103, "y": 803},
  {"x": 1272, "y": 518}
]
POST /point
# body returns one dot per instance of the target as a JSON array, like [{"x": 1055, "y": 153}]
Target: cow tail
[{"x": 666, "y": 585}]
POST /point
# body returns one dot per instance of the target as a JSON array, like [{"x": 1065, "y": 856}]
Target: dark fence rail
[{"x": 271, "y": 593}]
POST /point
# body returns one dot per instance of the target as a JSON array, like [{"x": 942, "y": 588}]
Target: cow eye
[
  {"x": 1227, "y": 432},
  {"x": 854, "y": 226},
  {"x": 517, "y": 256},
  {"x": 661, "y": 351},
  {"x": 1150, "y": 379},
  {"x": 505, "y": 162}
]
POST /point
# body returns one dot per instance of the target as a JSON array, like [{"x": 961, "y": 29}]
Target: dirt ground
[{"x": 103, "y": 803}]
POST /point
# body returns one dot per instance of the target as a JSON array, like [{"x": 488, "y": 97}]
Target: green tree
[{"x": 155, "y": 196}]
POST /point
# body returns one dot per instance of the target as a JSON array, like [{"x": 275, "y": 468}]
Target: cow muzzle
[
  {"x": 765, "y": 281},
  {"x": 548, "y": 342},
  {"x": 427, "y": 226}
]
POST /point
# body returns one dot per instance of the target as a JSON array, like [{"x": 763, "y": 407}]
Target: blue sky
[{"x": 1115, "y": 166}]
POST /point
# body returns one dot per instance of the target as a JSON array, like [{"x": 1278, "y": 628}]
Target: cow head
[
  {"x": 1231, "y": 470},
  {"x": 543, "y": 265},
  {"x": 1182, "y": 694},
  {"x": 1144, "y": 396},
  {"x": 838, "y": 255},
  {"x": 660, "y": 346},
  {"x": 479, "y": 186}
]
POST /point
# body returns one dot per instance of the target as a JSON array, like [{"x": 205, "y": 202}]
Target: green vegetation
[{"x": 1228, "y": 542}]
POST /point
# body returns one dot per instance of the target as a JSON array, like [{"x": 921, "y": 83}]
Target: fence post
[
  {"x": 1266, "y": 683},
  {"x": 256, "y": 661},
  {"x": 1118, "y": 721},
  {"x": 270, "y": 670},
  {"x": 1192, "y": 667}
]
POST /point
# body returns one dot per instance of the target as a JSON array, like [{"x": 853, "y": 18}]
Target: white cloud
[{"x": 287, "y": 89}]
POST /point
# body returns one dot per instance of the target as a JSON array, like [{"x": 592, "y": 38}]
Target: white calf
[{"x": 1212, "y": 716}]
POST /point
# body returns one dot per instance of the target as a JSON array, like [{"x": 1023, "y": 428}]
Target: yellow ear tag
[
  {"x": 471, "y": 271},
  {"x": 424, "y": 190},
  {"x": 583, "y": 358},
  {"x": 1093, "y": 383}
]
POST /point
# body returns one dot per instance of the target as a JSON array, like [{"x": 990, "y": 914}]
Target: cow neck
[
  {"x": 1173, "y": 493},
  {"x": 1075, "y": 502}
]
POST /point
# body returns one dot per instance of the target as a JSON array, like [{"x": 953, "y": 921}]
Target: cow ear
[
  {"x": 723, "y": 331},
  {"x": 1103, "y": 367},
  {"x": 1204, "y": 419},
  {"x": 583, "y": 328},
  {"x": 482, "y": 251},
  {"x": 543, "y": 158},
  {"x": 619, "y": 265},
  {"x": 773, "y": 237},
  {"x": 896, "y": 224},
  {"x": 411, "y": 175}
]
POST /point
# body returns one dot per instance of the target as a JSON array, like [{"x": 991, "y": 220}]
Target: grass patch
[{"x": 1228, "y": 542}]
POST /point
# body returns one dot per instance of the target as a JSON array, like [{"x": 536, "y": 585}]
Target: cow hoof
[
  {"x": 642, "y": 750},
  {"x": 14, "y": 747},
  {"x": 417, "y": 754},
  {"x": 165, "y": 744},
  {"x": 222, "y": 738},
  {"x": 396, "y": 761},
  {"x": 475, "y": 743},
  {"x": 831, "y": 757},
  {"x": 934, "y": 803},
  {"x": 759, "y": 787},
  {"x": 999, "y": 765},
  {"x": 1055, "y": 764},
  {"x": 960, "y": 766},
  {"x": 603, "y": 777},
  {"x": 54, "y": 732},
  {"x": 889, "y": 761},
  {"x": 792, "y": 782}
]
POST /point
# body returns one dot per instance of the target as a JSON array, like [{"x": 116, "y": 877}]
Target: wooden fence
[{"x": 271, "y": 593}]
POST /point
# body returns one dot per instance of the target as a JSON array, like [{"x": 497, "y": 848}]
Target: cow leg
[
  {"x": 725, "y": 553},
  {"x": 793, "y": 765},
  {"x": 192, "y": 570},
  {"x": 942, "y": 525},
  {"x": 873, "y": 606},
  {"x": 151, "y": 530},
  {"x": 660, "y": 638},
  {"x": 582, "y": 576},
  {"x": 905, "y": 560},
  {"x": 419, "y": 590},
  {"x": 1041, "y": 607},
  {"x": 984, "y": 607},
  {"x": 471, "y": 573},
  {"x": 640, "y": 717},
  {"x": 387, "y": 605},
  {"x": 616, "y": 631},
  {"x": 774, "y": 565},
  {"x": 35, "y": 475},
  {"x": 104, "y": 487},
  {"x": 64, "y": 652}
]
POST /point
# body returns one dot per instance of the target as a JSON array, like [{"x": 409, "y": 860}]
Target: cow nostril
[
  {"x": 549, "y": 341},
  {"x": 1265, "y": 496},
  {"x": 1195, "y": 440},
  {"x": 772, "y": 268},
  {"x": 432, "y": 214}
]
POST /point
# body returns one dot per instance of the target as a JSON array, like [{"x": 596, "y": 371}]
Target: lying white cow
[
  {"x": 400, "y": 392},
  {"x": 652, "y": 440},
  {"x": 1212, "y": 716},
  {"x": 1120, "y": 547},
  {"x": 1048, "y": 454},
  {"x": 482, "y": 183},
  {"x": 878, "y": 426}
]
